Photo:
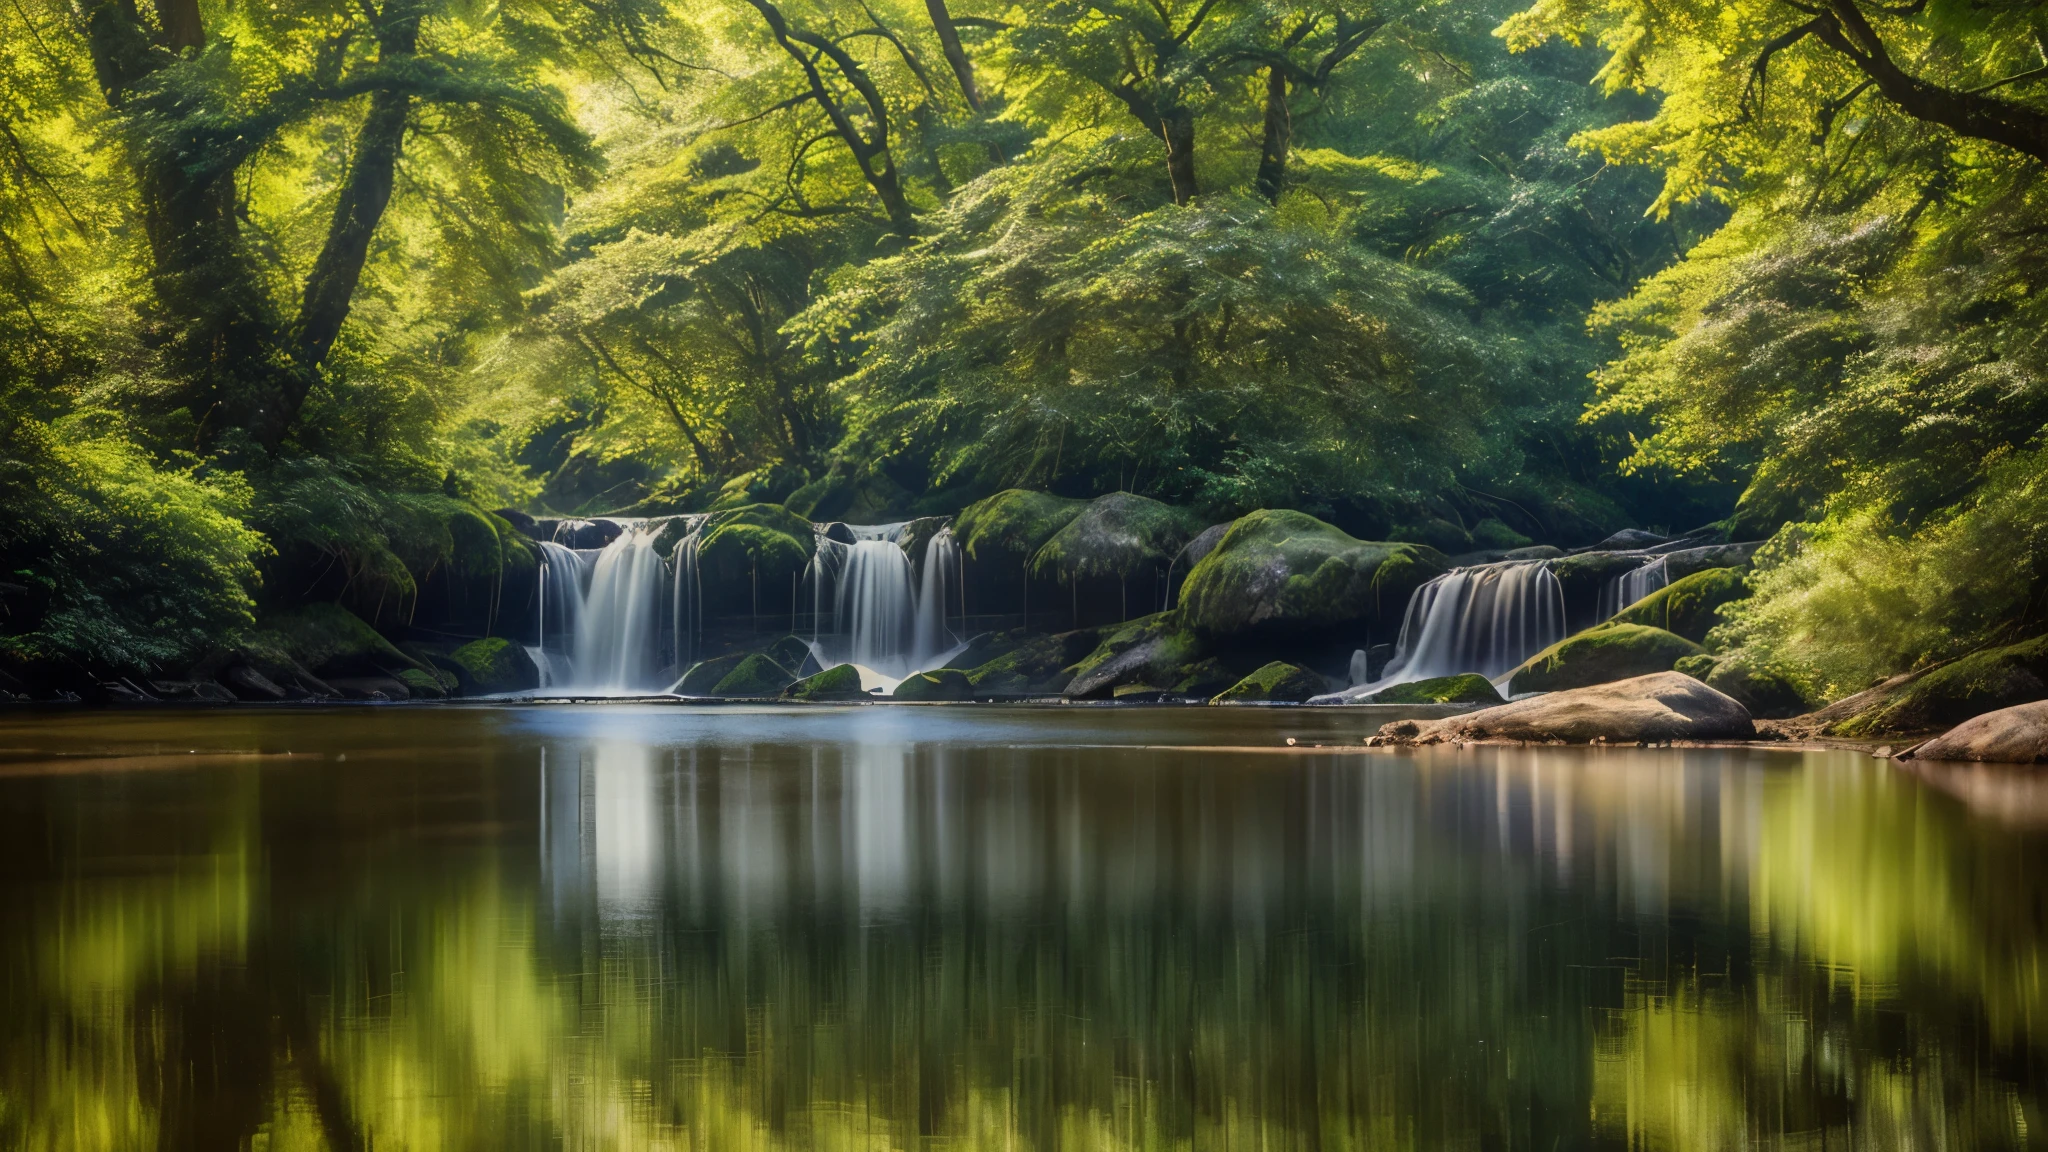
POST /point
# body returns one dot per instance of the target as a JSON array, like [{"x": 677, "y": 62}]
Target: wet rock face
[
  {"x": 1644, "y": 709},
  {"x": 2016, "y": 735},
  {"x": 495, "y": 664},
  {"x": 1466, "y": 688},
  {"x": 839, "y": 682},
  {"x": 1152, "y": 651},
  {"x": 1033, "y": 666},
  {"x": 755, "y": 675},
  {"x": 1688, "y": 606},
  {"x": 939, "y": 684},
  {"x": 1280, "y": 574},
  {"x": 1601, "y": 655},
  {"x": 1278, "y": 681}
]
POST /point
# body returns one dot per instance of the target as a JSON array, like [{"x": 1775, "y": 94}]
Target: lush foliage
[{"x": 1860, "y": 347}]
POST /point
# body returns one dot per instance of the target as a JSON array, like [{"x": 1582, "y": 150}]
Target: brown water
[{"x": 896, "y": 928}]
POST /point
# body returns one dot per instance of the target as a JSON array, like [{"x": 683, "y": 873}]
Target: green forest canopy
[{"x": 304, "y": 287}]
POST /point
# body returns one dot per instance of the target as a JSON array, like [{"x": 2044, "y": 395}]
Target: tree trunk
[
  {"x": 1279, "y": 137},
  {"x": 949, "y": 39},
  {"x": 1177, "y": 129},
  {"x": 331, "y": 286}
]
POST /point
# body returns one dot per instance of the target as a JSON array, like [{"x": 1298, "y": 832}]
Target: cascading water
[
  {"x": 618, "y": 649},
  {"x": 558, "y": 604},
  {"x": 1485, "y": 619},
  {"x": 878, "y": 617},
  {"x": 940, "y": 587},
  {"x": 688, "y": 598},
  {"x": 1624, "y": 590}
]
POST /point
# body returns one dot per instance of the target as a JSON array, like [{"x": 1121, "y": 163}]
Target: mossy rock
[
  {"x": 329, "y": 640},
  {"x": 938, "y": 684},
  {"x": 1436, "y": 532},
  {"x": 1946, "y": 696},
  {"x": 1156, "y": 649},
  {"x": 424, "y": 685},
  {"x": 758, "y": 545},
  {"x": 1493, "y": 532},
  {"x": 703, "y": 677},
  {"x": 1464, "y": 688},
  {"x": 839, "y": 682},
  {"x": 916, "y": 537},
  {"x": 1280, "y": 573},
  {"x": 1768, "y": 693},
  {"x": 1038, "y": 666},
  {"x": 790, "y": 652},
  {"x": 1115, "y": 535},
  {"x": 1013, "y": 523},
  {"x": 1688, "y": 606},
  {"x": 1278, "y": 681},
  {"x": 1599, "y": 655},
  {"x": 495, "y": 664},
  {"x": 757, "y": 675}
]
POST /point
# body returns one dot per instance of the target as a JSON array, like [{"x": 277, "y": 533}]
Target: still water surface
[{"x": 897, "y": 928}]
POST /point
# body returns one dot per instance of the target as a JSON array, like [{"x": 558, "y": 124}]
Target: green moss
[
  {"x": 1276, "y": 681},
  {"x": 703, "y": 677},
  {"x": 424, "y": 685},
  {"x": 1464, "y": 688},
  {"x": 1114, "y": 536},
  {"x": 939, "y": 684},
  {"x": 1015, "y": 522},
  {"x": 330, "y": 640},
  {"x": 1688, "y": 606},
  {"x": 1037, "y": 666},
  {"x": 790, "y": 652},
  {"x": 1494, "y": 533},
  {"x": 759, "y": 546},
  {"x": 495, "y": 664},
  {"x": 1599, "y": 655},
  {"x": 1436, "y": 532},
  {"x": 757, "y": 675},
  {"x": 1156, "y": 650},
  {"x": 1290, "y": 573},
  {"x": 1978, "y": 683},
  {"x": 839, "y": 682},
  {"x": 1767, "y": 692}
]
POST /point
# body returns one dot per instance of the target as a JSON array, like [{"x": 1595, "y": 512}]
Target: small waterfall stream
[
  {"x": 879, "y": 618},
  {"x": 558, "y": 603},
  {"x": 618, "y": 649},
  {"x": 1485, "y": 619},
  {"x": 1625, "y": 590}
]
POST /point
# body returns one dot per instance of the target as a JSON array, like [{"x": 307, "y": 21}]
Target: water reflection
[{"x": 619, "y": 928}]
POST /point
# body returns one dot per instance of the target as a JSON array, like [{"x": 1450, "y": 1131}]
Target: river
[{"x": 732, "y": 928}]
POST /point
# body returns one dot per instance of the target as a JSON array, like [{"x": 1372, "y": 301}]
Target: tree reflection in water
[{"x": 879, "y": 929}]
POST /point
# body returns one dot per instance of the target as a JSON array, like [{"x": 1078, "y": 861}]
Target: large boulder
[
  {"x": 1465, "y": 688},
  {"x": 1601, "y": 655},
  {"x": 493, "y": 665},
  {"x": 756, "y": 675},
  {"x": 1155, "y": 653},
  {"x": 703, "y": 677},
  {"x": 938, "y": 684},
  {"x": 839, "y": 682},
  {"x": 1015, "y": 522},
  {"x": 1978, "y": 683},
  {"x": 1768, "y": 693},
  {"x": 1275, "y": 682},
  {"x": 1644, "y": 709},
  {"x": 748, "y": 557},
  {"x": 1041, "y": 666},
  {"x": 2016, "y": 735},
  {"x": 1688, "y": 606},
  {"x": 1114, "y": 536},
  {"x": 1280, "y": 574}
]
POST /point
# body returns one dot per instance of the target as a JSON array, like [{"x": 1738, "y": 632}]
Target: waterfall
[
  {"x": 559, "y": 602},
  {"x": 1485, "y": 619},
  {"x": 1631, "y": 586},
  {"x": 941, "y": 586},
  {"x": 618, "y": 648},
  {"x": 689, "y": 600},
  {"x": 879, "y": 618}
]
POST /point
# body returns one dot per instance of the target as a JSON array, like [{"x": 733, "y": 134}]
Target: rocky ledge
[
  {"x": 1652, "y": 709},
  {"x": 2017, "y": 735}
]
